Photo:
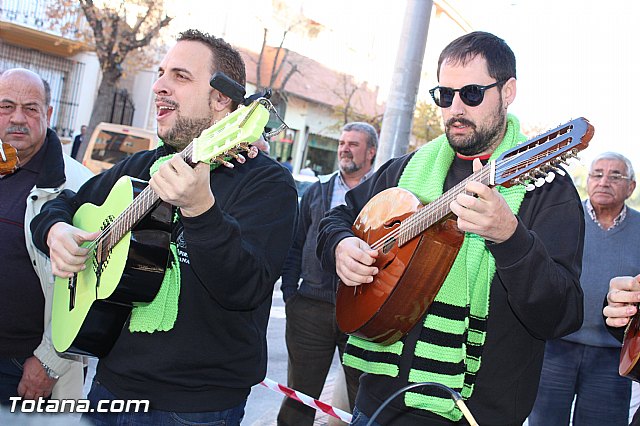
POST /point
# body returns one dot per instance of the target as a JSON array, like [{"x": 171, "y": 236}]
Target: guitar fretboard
[
  {"x": 141, "y": 205},
  {"x": 435, "y": 211}
]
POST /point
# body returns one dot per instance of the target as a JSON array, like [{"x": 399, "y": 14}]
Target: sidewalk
[{"x": 322, "y": 419}]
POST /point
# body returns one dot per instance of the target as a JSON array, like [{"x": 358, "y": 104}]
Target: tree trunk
[{"x": 102, "y": 106}]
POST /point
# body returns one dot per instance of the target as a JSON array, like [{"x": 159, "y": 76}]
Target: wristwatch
[{"x": 50, "y": 373}]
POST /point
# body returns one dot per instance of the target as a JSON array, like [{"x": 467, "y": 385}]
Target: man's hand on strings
[
  {"x": 180, "y": 185},
  {"x": 483, "y": 211},
  {"x": 354, "y": 260}
]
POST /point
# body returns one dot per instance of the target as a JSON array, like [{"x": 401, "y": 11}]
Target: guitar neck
[
  {"x": 139, "y": 208},
  {"x": 439, "y": 209}
]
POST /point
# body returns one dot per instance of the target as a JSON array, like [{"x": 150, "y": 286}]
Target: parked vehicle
[
  {"x": 303, "y": 182},
  {"x": 111, "y": 143}
]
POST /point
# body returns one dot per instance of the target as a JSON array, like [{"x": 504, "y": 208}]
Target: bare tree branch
[
  {"x": 90, "y": 14},
  {"x": 152, "y": 33},
  {"x": 141, "y": 19},
  {"x": 259, "y": 64},
  {"x": 293, "y": 70},
  {"x": 275, "y": 60}
]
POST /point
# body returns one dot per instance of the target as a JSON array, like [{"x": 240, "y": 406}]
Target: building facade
[{"x": 29, "y": 38}]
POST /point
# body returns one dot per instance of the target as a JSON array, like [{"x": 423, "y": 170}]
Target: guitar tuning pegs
[
  {"x": 539, "y": 182},
  {"x": 530, "y": 187},
  {"x": 561, "y": 172},
  {"x": 220, "y": 159},
  {"x": 253, "y": 152},
  {"x": 238, "y": 157},
  {"x": 550, "y": 177},
  {"x": 572, "y": 154}
]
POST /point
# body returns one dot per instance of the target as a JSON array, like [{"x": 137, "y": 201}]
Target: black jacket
[
  {"x": 535, "y": 296},
  {"x": 302, "y": 261},
  {"x": 217, "y": 348}
]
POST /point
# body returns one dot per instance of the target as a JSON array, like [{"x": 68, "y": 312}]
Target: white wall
[
  {"x": 91, "y": 76},
  {"x": 319, "y": 119},
  {"x": 143, "y": 96}
]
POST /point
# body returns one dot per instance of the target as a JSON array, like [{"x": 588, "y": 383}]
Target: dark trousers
[
  {"x": 10, "y": 376},
  {"x": 231, "y": 417},
  {"x": 589, "y": 373},
  {"x": 312, "y": 337}
]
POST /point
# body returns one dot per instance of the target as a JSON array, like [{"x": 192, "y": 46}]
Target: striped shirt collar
[{"x": 617, "y": 221}]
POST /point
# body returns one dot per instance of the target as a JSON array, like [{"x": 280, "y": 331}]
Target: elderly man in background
[
  {"x": 29, "y": 366},
  {"x": 584, "y": 364}
]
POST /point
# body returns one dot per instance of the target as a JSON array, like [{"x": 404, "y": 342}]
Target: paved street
[{"x": 263, "y": 404}]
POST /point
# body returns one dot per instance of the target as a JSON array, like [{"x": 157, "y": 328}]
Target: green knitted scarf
[
  {"x": 161, "y": 313},
  {"x": 449, "y": 348}
]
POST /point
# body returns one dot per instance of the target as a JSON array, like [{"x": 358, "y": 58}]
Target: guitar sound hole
[{"x": 388, "y": 245}]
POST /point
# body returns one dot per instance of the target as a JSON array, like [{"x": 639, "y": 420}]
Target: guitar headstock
[
  {"x": 538, "y": 158},
  {"x": 227, "y": 137}
]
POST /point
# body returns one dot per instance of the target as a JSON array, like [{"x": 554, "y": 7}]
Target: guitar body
[
  {"x": 90, "y": 318},
  {"x": 409, "y": 276},
  {"x": 630, "y": 352}
]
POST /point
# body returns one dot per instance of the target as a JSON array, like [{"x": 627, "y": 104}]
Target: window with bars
[{"x": 63, "y": 75}]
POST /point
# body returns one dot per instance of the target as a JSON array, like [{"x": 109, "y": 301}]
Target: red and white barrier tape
[{"x": 307, "y": 400}]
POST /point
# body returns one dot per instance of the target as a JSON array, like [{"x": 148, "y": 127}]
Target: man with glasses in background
[
  {"x": 585, "y": 364},
  {"x": 515, "y": 282}
]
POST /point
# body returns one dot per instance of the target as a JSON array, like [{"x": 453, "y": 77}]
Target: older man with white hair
[{"x": 584, "y": 364}]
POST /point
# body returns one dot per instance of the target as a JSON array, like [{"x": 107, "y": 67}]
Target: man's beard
[
  {"x": 481, "y": 139},
  {"x": 184, "y": 131},
  {"x": 350, "y": 167}
]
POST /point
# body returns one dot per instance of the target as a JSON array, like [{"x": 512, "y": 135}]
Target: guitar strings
[
  {"x": 146, "y": 198},
  {"x": 426, "y": 216},
  {"x": 423, "y": 215},
  {"x": 141, "y": 203}
]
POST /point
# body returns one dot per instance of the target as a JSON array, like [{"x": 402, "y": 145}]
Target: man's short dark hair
[
  {"x": 225, "y": 57},
  {"x": 501, "y": 62}
]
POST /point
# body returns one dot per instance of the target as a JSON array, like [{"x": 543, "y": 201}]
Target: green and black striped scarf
[{"x": 449, "y": 349}]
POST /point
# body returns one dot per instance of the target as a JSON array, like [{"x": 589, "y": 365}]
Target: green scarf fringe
[
  {"x": 470, "y": 277},
  {"x": 161, "y": 313}
]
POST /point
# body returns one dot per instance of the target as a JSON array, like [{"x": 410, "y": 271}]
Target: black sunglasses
[{"x": 471, "y": 94}]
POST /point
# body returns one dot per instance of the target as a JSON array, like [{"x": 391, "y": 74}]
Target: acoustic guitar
[
  {"x": 630, "y": 352},
  {"x": 417, "y": 244},
  {"x": 127, "y": 261}
]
